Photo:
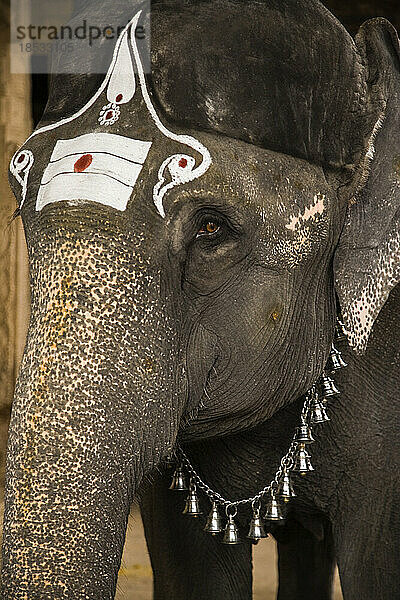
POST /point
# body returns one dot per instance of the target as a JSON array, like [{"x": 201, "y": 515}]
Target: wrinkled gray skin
[{"x": 143, "y": 331}]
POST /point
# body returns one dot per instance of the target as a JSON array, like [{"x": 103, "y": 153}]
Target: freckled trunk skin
[{"x": 92, "y": 413}]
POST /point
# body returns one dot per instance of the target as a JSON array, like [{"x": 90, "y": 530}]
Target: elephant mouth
[{"x": 205, "y": 402}]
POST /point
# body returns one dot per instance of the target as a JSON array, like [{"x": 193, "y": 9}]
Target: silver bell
[
  {"x": 214, "y": 521},
  {"x": 304, "y": 434},
  {"x": 286, "y": 491},
  {"x": 192, "y": 506},
  {"x": 340, "y": 334},
  {"x": 256, "y": 528},
  {"x": 231, "y": 535},
  {"x": 328, "y": 387},
  {"x": 302, "y": 463},
  {"x": 318, "y": 412},
  {"x": 179, "y": 480},
  {"x": 274, "y": 512},
  {"x": 335, "y": 361}
]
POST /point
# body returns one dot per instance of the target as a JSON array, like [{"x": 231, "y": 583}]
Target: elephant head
[{"x": 187, "y": 234}]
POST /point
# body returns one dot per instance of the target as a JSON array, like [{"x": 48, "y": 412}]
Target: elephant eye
[{"x": 209, "y": 228}]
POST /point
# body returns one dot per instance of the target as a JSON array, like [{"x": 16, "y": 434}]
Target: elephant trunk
[{"x": 96, "y": 408}]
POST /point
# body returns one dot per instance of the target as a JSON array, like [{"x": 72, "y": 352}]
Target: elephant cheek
[{"x": 96, "y": 408}]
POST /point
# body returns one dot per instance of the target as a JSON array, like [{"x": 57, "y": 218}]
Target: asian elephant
[{"x": 192, "y": 234}]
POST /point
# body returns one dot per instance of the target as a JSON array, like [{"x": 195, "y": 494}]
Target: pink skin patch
[
  {"x": 83, "y": 163},
  {"x": 317, "y": 207}
]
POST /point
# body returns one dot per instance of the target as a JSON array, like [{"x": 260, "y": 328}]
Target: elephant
[{"x": 193, "y": 233}]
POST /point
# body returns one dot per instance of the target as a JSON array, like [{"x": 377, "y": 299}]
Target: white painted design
[
  {"x": 134, "y": 150},
  {"x": 101, "y": 89},
  {"x": 179, "y": 175},
  {"x": 102, "y": 164},
  {"x": 21, "y": 164},
  {"x": 120, "y": 79},
  {"x": 98, "y": 167},
  {"x": 80, "y": 112},
  {"x": 180, "y": 169},
  {"x": 310, "y": 212},
  {"x": 85, "y": 186},
  {"x": 122, "y": 85},
  {"x": 109, "y": 114}
]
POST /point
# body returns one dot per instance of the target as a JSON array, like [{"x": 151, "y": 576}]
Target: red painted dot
[
  {"x": 21, "y": 158},
  {"x": 182, "y": 163},
  {"x": 83, "y": 163},
  {"x": 109, "y": 114},
  {"x": 119, "y": 98}
]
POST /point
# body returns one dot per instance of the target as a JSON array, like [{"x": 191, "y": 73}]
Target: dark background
[{"x": 354, "y": 12}]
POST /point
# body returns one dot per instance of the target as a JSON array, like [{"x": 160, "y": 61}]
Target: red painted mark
[
  {"x": 119, "y": 98},
  {"x": 109, "y": 114},
  {"x": 21, "y": 158},
  {"x": 182, "y": 163},
  {"x": 83, "y": 163}
]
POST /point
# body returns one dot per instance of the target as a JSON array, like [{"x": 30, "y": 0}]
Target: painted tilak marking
[
  {"x": 83, "y": 163},
  {"x": 122, "y": 85},
  {"x": 98, "y": 167},
  {"x": 21, "y": 164},
  {"x": 109, "y": 114},
  {"x": 97, "y": 95},
  {"x": 64, "y": 181},
  {"x": 66, "y": 120},
  {"x": 310, "y": 212}
]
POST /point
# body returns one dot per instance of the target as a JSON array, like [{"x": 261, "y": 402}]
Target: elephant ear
[{"x": 367, "y": 260}]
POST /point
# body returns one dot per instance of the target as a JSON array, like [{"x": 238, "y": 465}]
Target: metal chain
[{"x": 287, "y": 463}]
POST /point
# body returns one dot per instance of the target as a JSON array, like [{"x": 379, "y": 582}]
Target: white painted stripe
[
  {"x": 124, "y": 147},
  {"x": 105, "y": 164},
  {"x": 122, "y": 80},
  {"x": 85, "y": 186}
]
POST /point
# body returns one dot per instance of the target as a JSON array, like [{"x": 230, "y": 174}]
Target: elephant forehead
[
  {"x": 265, "y": 72},
  {"x": 102, "y": 165},
  {"x": 123, "y": 139},
  {"x": 267, "y": 183},
  {"x": 286, "y": 200}
]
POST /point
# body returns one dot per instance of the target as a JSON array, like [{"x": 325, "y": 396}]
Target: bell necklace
[{"x": 296, "y": 460}]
